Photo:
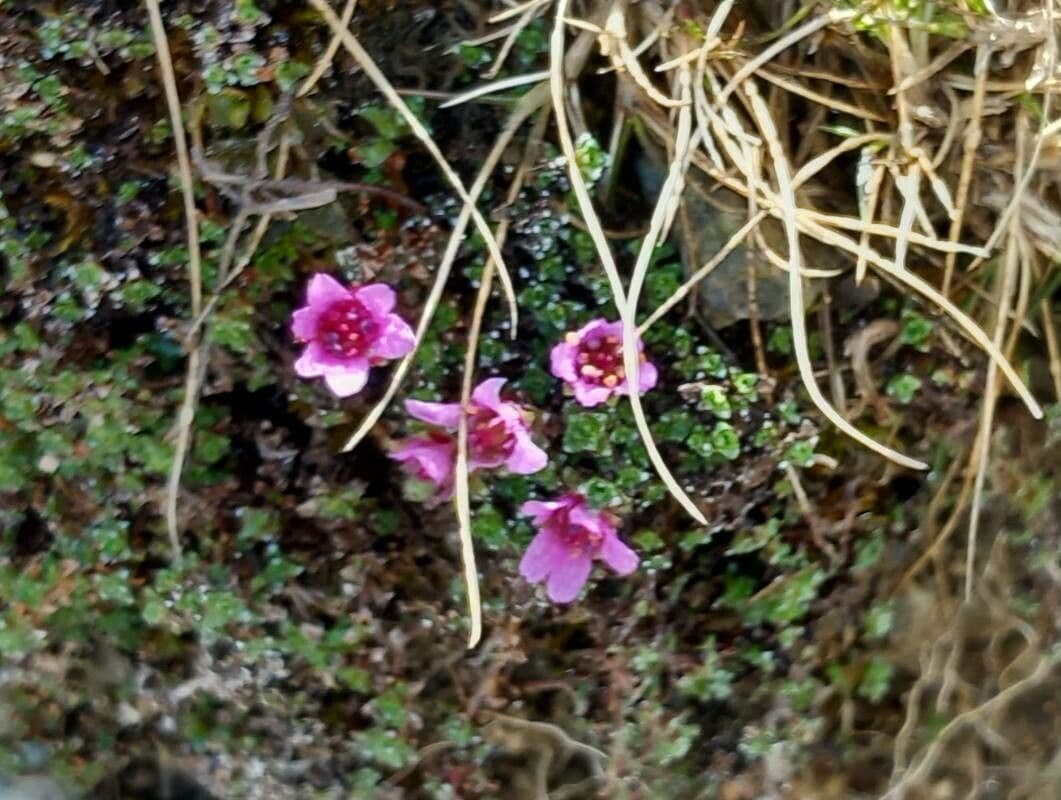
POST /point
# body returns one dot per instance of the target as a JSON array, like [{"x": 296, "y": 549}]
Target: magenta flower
[
  {"x": 430, "y": 459},
  {"x": 590, "y": 361},
  {"x": 498, "y": 430},
  {"x": 570, "y": 536},
  {"x": 347, "y": 330}
]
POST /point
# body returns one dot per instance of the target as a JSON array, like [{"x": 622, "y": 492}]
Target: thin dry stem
[
  {"x": 1006, "y": 284},
  {"x": 529, "y": 15},
  {"x": 803, "y": 31},
  {"x": 462, "y": 498},
  {"x": 1050, "y": 332},
  {"x": 364, "y": 60},
  {"x": 515, "y": 11},
  {"x": 970, "y": 145},
  {"x": 615, "y": 42},
  {"x": 799, "y": 89},
  {"x": 328, "y": 56},
  {"x": 631, "y": 354},
  {"x": 578, "y": 185},
  {"x": 496, "y": 86},
  {"x": 527, "y": 106},
  {"x": 873, "y": 191},
  {"x": 186, "y": 414},
  {"x": 936, "y": 65},
  {"x": 787, "y": 198},
  {"x": 682, "y": 291},
  {"x": 921, "y": 772}
]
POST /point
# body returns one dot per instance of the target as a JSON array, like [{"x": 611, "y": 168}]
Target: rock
[
  {"x": 723, "y": 294},
  {"x": 32, "y": 787}
]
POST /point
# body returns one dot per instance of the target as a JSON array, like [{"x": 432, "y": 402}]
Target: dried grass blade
[
  {"x": 364, "y": 60},
  {"x": 782, "y": 44},
  {"x": 530, "y": 102},
  {"x": 496, "y": 86},
  {"x": 933, "y": 295},
  {"x": 186, "y": 415},
  {"x": 593, "y": 225},
  {"x": 787, "y": 200},
  {"x": 328, "y": 56},
  {"x": 631, "y": 355},
  {"x": 970, "y": 145},
  {"x": 462, "y": 499},
  {"x": 615, "y": 27},
  {"x": 1006, "y": 282}
]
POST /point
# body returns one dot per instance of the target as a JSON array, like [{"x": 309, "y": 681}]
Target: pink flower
[
  {"x": 430, "y": 459},
  {"x": 590, "y": 361},
  {"x": 347, "y": 331},
  {"x": 570, "y": 536},
  {"x": 498, "y": 430}
]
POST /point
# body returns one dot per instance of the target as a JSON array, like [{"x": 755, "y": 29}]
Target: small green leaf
[
  {"x": 725, "y": 441},
  {"x": 876, "y": 680},
  {"x": 903, "y": 387},
  {"x": 601, "y": 493},
  {"x": 586, "y": 431},
  {"x": 648, "y": 541},
  {"x": 916, "y": 330},
  {"x": 714, "y": 398},
  {"x": 877, "y": 622}
]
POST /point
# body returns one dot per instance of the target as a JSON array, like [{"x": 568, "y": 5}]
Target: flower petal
[
  {"x": 312, "y": 363},
  {"x": 567, "y": 577},
  {"x": 562, "y": 362},
  {"x": 446, "y": 415},
  {"x": 488, "y": 394},
  {"x": 324, "y": 290},
  {"x": 590, "y": 396},
  {"x": 540, "y": 510},
  {"x": 431, "y": 458},
  {"x": 545, "y": 551},
  {"x": 396, "y": 340},
  {"x": 304, "y": 323},
  {"x": 376, "y": 297},
  {"x": 348, "y": 379},
  {"x": 647, "y": 375},
  {"x": 526, "y": 457},
  {"x": 600, "y": 327},
  {"x": 615, "y": 553}
]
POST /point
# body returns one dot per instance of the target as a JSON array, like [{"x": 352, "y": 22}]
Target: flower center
[
  {"x": 580, "y": 540},
  {"x": 600, "y": 361},
  {"x": 488, "y": 437},
  {"x": 347, "y": 329}
]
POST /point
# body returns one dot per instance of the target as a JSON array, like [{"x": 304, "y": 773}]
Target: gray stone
[
  {"x": 32, "y": 787},
  {"x": 723, "y": 294}
]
